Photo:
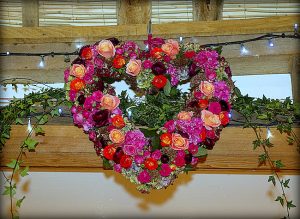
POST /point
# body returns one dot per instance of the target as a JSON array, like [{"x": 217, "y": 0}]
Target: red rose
[
  {"x": 189, "y": 54},
  {"x": 159, "y": 81},
  {"x": 86, "y": 53},
  {"x": 118, "y": 61},
  {"x": 165, "y": 139},
  {"x": 203, "y": 134},
  {"x": 156, "y": 53},
  {"x": 118, "y": 121},
  {"x": 151, "y": 163},
  {"x": 125, "y": 161},
  {"x": 109, "y": 151},
  {"x": 203, "y": 103},
  {"x": 77, "y": 84},
  {"x": 224, "y": 117}
]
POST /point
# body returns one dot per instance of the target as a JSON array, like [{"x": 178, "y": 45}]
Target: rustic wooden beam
[
  {"x": 53, "y": 71},
  {"x": 66, "y": 147},
  {"x": 295, "y": 76},
  {"x": 30, "y": 13},
  {"x": 133, "y": 11},
  {"x": 207, "y": 10},
  {"x": 139, "y": 31}
]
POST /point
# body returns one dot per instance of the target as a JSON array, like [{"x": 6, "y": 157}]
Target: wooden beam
[
  {"x": 30, "y": 13},
  {"x": 139, "y": 31},
  {"x": 295, "y": 76},
  {"x": 53, "y": 71},
  {"x": 133, "y": 11},
  {"x": 67, "y": 147},
  {"x": 207, "y": 10}
]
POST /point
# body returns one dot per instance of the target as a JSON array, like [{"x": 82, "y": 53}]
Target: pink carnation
[
  {"x": 165, "y": 170},
  {"x": 144, "y": 177}
]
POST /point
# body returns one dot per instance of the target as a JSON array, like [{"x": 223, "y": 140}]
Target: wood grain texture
[
  {"x": 30, "y": 13},
  {"x": 66, "y": 148},
  {"x": 295, "y": 76},
  {"x": 133, "y": 11},
  {"x": 207, "y": 10},
  {"x": 139, "y": 31}
]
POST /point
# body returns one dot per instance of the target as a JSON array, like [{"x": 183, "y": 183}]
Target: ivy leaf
[
  {"x": 290, "y": 204},
  {"x": 24, "y": 172},
  {"x": 262, "y": 158},
  {"x": 42, "y": 119},
  {"x": 218, "y": 49},
  {"x": 10, "y": 190},
  {"x": 19, "y": 202},
  {"x": 279, "y": 198},
  {"x": 106, "y": 164},
  {"x": 167, "y": 88},
  {"x": 262, "y": 116},
  {"x": 13, "y": 164},
  {"x": 202, "y": 152},
  {"x": 31, "y": 143},
  {"x": 54, "y": 112},
  {"x": 278, "y": 164},
  {"x": 39, "y": 131},
  {"x": 286, "y": 183},
  {"x": 237, "y": 92},
  {"x": 19, "y": 121},
  {"x": 256, "y": 143},
  {"x": 272, "y": 179}
]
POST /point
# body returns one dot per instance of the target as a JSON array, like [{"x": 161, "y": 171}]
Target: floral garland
[{"x": 159, "y": 68}]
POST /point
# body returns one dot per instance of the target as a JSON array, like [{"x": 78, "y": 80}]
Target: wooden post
[
  {"x": 207, "y": 10},
  {"x": 295, "y": 76},
  {"x": 133, "y": 11},
  {"x": 30, "y": 13}
]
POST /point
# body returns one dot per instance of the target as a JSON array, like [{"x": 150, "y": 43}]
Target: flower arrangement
[{"x": 157, "y": 70}]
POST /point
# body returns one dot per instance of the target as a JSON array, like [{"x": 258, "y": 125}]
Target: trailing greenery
[{"x": 258, "y": 113}]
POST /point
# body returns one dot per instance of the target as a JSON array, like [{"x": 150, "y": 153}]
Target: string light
[
  {"x": 60, "y": 111},
  {"x": 244, "y": 50},
  {"x": 147, "y": 47},
  {"x": 296, "y": 28},
  {"x": 7, "y": 53},
  {"x": 271, "y": 42},
  {"x": 78, "y": 45},
  {"x": 269, "y": 133},
  {"x": 230, "y": 115},
  {"x": 42, "y": 62},
  {"x": 29, "y": 127},
  {"x": 180, "y": 39}
]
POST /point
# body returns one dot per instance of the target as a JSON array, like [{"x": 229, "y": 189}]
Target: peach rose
[
  {"x": 106, "y": 49},
  {"x": 179, "y": 142},
  {"x": 209, "y": 119},
  {"x": 183, "y": 115},
  {"x": 171, "y": 48},
  {"x": 207, "y": 88},
  {"x": 116, "y": 136},
  {"x": 133, "y": 67},
  {"x": 109, "y": 102},
  {"x": 78, "y": 71}
]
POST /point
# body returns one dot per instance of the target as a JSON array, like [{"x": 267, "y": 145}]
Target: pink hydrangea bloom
[
  {"x": 139, "y": 159},
  {"x": 117, "y": 168},
  {"x": 207, "y": 59},
  {"x": 210, "y": 74},
  {"x": 129, "y": 149},
  {"x": 222, "y": 91},
  {"x": 136, "y": 138},
  {"x": 66, "y": 75}
]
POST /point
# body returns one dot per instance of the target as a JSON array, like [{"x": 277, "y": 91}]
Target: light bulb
[
  {"x": 271, "y": 42},
  {"x": 230, "y": 115},
  {"x": 244, "y": 50},
  {"x": 296, "y": 28},
  {"x": 60, "y": 111},
  {"x": 269, "y": 133},
  {"x": 42, "y": 62},
  {"x": 147, "y": 47},
  {"x": 29, "y": 127},
  {"x": 7, "y": 53},
  {"x": 180, "y": 39},
  {"x": 78, "y": 45}
]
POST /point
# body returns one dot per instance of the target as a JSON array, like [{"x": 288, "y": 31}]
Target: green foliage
[
  {"x": 30, "y": 143},
  {"x": 280, "y": 199},
  {"x": 272, "y": 179}
]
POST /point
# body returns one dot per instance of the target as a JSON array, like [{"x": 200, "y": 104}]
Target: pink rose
[
  {"x": 183, "y": 115},
  {"x": 209, "y": 119},
  {"x": 133, "y": 67},
  {"x": 106, "y": 49},
  {"x": 179, "y": 142},
  {"x": 77, "y": 70},
  {"x": 109, "y": 102},
  {"x": 171, "y": 48},
  {"x": 116, "y": 136},
  {"x": 207, "y": 88}
]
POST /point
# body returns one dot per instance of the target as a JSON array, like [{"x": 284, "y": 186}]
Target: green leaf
[
  {"x": 262, "y": 116},
  {"x": 290, "y": 204},
  {"x": 19, "y": 202},
  {"x": 218, "y": 49},
  {"x": 278, "y": 164},
  {"x": 106, "y": 164},
  {"x": 42, "y": 119},
  {"x": 237, "y": 92},
  {"x": 262, "y": 158},
  {"x": 279, "y": 198},
  {"x": 54, "y": 112},
  {"x": 202, "y": 152},
  {"x": 167, "y": 88},
  {"x": 31, "y": 143},
  {"x": 256, "y": 143},
  {"x": 39, "y": 131},
  {"x": 286, "y": 183},
  {"x": 19, "y": 121},
  {"x": 272, "y": 179},
  {"x": 24, "y": 172},
  {"x": 10, "y": 190},
  {"x": 13, "y": 164}
]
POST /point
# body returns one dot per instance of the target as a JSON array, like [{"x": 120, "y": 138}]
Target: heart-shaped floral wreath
[{"x": 159, "y": 68}]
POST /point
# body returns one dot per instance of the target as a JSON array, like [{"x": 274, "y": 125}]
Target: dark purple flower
[
  {"x": 228, "y": 71},
  {"x": 78, "y": 61},
  {"x": 192, "y": 70},
  {"x": 188, "y": 158},
  {"x": 114, "y": 41},
  {"x": 81, "y": 99},
  {"x": 101, "y": 118},
  {"x": 158, "y": 68}
]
